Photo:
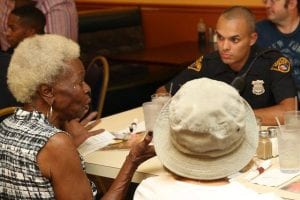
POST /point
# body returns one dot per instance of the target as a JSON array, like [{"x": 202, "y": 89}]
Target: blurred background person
[
  {"x": 23, "y": 22},
  {"x": 45, "y": 132},
  {"x": 201, "y": 138},
  {"x": 281, "y": 30},
  {"x": 61, "y": 17}
]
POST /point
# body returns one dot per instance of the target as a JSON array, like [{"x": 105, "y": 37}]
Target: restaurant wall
[
  {"x": 175, "y": 2},
  {"x": 171, "y": 21}
]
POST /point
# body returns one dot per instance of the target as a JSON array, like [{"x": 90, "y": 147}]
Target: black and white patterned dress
[{"x": 22, "y": 136}]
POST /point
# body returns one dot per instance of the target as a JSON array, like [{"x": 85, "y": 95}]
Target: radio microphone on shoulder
[{"x": 239, "y": 82}]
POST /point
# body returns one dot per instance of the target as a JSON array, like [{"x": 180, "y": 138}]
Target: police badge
[{"x": 258, "y": 87}]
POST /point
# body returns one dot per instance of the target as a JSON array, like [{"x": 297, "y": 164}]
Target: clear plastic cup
[
  {"x": 161, "y": 97},
  {"x": 292, "y": 119},
  {"x": 289, "y": 149},
  {"x": 151, "y": 111}
]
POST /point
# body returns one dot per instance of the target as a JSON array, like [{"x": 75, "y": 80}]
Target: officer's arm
[
  {"x": 268, "y": 114},
  {"x": 283, "y": 90},
  {"x": 193, "y": 71},
  {"x": 161, "y": 89}
]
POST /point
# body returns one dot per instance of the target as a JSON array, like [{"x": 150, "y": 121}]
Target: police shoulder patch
[
  {"x": 282, "y": 64},
  {"x": 197, "y": 65}
]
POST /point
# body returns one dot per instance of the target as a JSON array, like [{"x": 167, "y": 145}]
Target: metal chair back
[{"x": 97, "y": 76}]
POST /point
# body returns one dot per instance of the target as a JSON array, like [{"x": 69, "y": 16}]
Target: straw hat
[{"x": 207, "y": 131}]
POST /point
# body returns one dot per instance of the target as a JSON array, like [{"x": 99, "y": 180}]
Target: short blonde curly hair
[{"x": 38, "y": 60}]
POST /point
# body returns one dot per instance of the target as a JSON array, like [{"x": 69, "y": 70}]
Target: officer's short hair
[
  {"x": 237, "y": 12},
  {"x": 31, "y": 16}
]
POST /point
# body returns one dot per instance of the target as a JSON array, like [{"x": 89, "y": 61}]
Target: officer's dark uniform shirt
[{"x": 268, "y": 82}]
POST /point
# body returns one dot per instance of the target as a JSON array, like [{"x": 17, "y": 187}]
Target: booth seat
[
  {"x": 115, "y": 31},
  {"x": 110, "y": 31}
]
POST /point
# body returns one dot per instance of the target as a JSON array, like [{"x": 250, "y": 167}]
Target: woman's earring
[{"x": 49, "y": 114}]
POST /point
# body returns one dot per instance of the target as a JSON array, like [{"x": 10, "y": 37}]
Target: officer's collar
[
  {"x": 251, "y": 56},
  {"x": 254, "y": 50}
]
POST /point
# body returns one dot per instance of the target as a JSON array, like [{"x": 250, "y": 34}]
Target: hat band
[{"x": 208, "y": 154}]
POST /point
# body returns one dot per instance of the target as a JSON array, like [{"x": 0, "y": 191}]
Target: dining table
[{"x": 107, "y": 162}]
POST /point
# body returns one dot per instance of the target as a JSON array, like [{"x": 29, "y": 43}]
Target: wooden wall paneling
[
  {"x": 178, "y": 3},
  {"x": 171, "y": 24}
]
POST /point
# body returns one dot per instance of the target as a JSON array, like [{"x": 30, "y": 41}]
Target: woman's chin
[{"x": 84, "y": 111}]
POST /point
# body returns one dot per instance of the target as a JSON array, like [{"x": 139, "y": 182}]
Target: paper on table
[
  {"x": 140, "y": 127},
  {"x": 96, "y": 142},
  {"x": 273, "y": 178}
]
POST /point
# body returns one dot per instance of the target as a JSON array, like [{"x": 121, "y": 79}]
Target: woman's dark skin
[{"x": 59, "y": 160}]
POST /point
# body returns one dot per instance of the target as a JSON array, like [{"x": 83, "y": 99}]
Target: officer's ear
[
  {"x": 291, "y": 4},
  {"x": 253, "y": 38}
]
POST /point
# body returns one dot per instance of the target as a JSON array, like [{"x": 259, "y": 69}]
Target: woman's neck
[{"x": 46, "y": 110}]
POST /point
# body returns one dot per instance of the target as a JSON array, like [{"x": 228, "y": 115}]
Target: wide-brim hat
[{"x": 204, "y": 168}]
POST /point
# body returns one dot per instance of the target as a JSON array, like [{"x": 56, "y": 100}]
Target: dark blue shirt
[{"x": 6, "y": 98}]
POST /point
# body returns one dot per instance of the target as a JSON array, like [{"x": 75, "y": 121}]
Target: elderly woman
[
  {"x": 38, "y": 143},
  {"x": 201, "y": 138}
]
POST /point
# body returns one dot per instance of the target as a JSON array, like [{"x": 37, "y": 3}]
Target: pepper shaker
[{"x": 264, "y": 149}]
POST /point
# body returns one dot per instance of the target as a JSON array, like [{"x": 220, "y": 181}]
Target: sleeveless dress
[{"x": 22, "y": 136}]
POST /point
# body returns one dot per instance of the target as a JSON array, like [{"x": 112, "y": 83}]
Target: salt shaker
[
  {"x": 264, "y": 149},
  {"x": 273, "y": 137}
]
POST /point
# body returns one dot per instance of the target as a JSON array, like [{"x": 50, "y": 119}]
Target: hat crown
[{"x": 207, "y": 118}]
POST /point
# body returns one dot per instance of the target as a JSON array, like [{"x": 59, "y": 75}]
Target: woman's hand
[
  {"x": 79, "y": 130},
  {"x": 142, "y": 151}
]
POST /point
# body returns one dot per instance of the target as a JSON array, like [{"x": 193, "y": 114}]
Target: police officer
[{"x": 268, "y": 85}]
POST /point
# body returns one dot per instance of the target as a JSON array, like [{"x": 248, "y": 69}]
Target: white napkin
[
  {"x": 95, "y": 142},
  {"x": 102, "y": 140},
  {"x": 273, "y": 178}
]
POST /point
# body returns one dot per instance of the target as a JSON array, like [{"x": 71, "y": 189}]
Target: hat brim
[{"x": 203, "y": 168}]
